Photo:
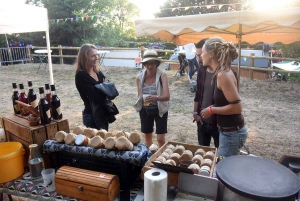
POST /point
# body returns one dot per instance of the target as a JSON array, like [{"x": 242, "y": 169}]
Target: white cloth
[
  {"x": 190, "y": 50},
  {"x": 163, "y": 106}
]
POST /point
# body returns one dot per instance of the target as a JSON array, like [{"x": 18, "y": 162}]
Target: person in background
[
  {"x": 218, "y": 54},
  {"x": 87, "y": 75},
  {"x": 153, "y": 98},
  {"x": 206, "y": 128},
  {"x": 190, "y": 50}
]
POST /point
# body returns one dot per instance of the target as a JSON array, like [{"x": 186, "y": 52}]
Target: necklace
[{"x": 93, "y": 75}]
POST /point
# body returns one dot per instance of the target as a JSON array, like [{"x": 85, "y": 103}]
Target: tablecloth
[{"x": 139, "y": 156}]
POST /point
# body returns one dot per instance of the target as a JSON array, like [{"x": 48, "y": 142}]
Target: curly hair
[
  {"x": 82, "y": 61},
  {"x": 224, "y": 52}
]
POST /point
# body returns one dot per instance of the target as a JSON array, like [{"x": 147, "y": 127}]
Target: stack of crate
[{"x": 18, "y": 129}]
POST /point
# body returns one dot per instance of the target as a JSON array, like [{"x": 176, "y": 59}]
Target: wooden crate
[
  {"x": 86, "y": 184},
  {"x": 62, "y": 125},
  {"x": 18, "y": 129},
  {"x": 172, "y": 176}
]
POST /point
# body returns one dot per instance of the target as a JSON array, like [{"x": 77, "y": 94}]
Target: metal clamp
[{"x": 80, "y": 188}]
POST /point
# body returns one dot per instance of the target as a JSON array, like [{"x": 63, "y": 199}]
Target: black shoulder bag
[{"x": 109, "y": 89}]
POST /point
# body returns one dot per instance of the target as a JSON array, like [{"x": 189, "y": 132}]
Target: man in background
[
  {"x": 191, "y": 57},
  {"x": 206, "y": 128}
]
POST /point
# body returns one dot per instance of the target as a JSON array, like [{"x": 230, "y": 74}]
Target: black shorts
[{"x": 147, "y": 122}]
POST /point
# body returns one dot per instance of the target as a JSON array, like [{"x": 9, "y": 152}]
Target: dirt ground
[{"x": 271, "y": 108}]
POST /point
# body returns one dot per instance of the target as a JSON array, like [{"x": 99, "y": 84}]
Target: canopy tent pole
[
  {"x": 49, "y": 57},
  {"x": 239, "y": 36},
  {"x": 49, "y": 52},
  {"x": 8, "y": 49}
]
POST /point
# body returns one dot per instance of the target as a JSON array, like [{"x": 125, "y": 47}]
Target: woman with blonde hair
[
  {"x": 88, "y": 74},
  {"x": 218, "y": 54}
]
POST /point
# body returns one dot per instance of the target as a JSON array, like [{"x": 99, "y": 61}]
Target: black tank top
[{"x": 225, "y": 120}]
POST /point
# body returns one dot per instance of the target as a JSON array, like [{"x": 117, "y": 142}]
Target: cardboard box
[{"x": 173, "y": 177}]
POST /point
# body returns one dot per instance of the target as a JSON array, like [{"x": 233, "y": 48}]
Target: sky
[{"x": 147, "y": 7}]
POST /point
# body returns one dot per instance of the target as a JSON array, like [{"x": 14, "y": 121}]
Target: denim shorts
[{"x": 232, "y": 142}]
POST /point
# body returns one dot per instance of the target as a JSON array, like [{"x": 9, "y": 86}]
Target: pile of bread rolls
[
  {"x": 173, "y": 154},
  {"x": 115, "y": 140}
]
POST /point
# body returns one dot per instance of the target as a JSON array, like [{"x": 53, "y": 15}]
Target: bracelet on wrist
[
  {"x": 195, "y": 113},
  {"x": 156, "y": 98},
  {"x": 209, "y": 110}
]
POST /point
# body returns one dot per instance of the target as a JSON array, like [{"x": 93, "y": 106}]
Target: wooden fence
[{"x": 245, "y": 71}]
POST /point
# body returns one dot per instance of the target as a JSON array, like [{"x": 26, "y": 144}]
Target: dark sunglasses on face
[{"x": 153, "y": 63}]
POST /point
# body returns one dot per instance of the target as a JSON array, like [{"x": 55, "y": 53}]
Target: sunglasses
[{"x": 153, "y": 63}]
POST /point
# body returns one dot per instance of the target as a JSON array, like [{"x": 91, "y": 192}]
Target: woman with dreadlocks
[{"x": 219, "y": 54}]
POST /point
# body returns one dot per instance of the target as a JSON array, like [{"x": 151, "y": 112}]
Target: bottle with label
[
  {"x": 15, "y": 97},
  {"x": 44, "y": 108},
  {"x": 55, "y": 104},
  {"x": 32, "y": 99},
  {"x": 35, "y": 162},
  {"x": 23, "y": 98},
  {"x": 48, "y": 93}
]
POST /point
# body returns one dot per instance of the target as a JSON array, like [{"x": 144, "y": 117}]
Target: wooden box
[
  {"x": 18, "y": 129},
  {"x": 86, "y": 184},
  {"x": 172, "y": 176}
]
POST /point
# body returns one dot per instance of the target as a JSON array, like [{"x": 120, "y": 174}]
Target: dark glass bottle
[
  {"x": 44, "y": 108},
  {"x": 23, "y": 98},
  {"x": 15, "y": 97},
  {"x": 48, "y": 93},
  {"x": 32, "y": 100},
  {"x": 55, "y": 104}
]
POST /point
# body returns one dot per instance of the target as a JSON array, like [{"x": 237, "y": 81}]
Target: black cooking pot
[{"x": 255, "y": 178}]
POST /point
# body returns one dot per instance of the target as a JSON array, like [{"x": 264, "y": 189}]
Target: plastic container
[{"x": 11, "y": 161}]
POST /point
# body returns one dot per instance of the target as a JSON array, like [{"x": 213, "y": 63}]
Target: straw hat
[{"x": 150, "y": 54}]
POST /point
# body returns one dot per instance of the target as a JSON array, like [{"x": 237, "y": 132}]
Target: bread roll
[
  {"x": 179, "y": 149},
  {"x": 101, "y": 133},
  {"x": 118, "y": 133},
  {"x": 110, "y": 143},
  {"x": 165, "y": 155},
  {"x": 170, "y": 162},
  {"x": 186, "y": 157},
  {"x": 172, "y": 147},
  {"x": 206, "y": 163},
  {"x": 200, "y": 152},
  {"x": 60, "y": 136},
  {"x": 70, "y": 139},
  {"x": 175, "y": 157},
  {"x": 210, "y": 155},
  {"x": 90, "y": 132},
  {"x": 127, "y": 134},
  {"x": 135, "y": 137},
  {"x": 169, "y": 151},
  {"x": 78, "y": 130},
  {"x": 198, "y": 159},
  {"x": 153, "y": 148},
  {"x": 195, "y": 168},
  {"x": 109, "y": 134},
  {"x": 189, "y": 153},
  {"x": 161, "y": 159},
  {"x": 123, "y": 143},
  {"x": 97, "y": 142}
]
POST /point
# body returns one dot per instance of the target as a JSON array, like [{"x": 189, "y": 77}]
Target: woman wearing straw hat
[{"x": 153, "y": 98}]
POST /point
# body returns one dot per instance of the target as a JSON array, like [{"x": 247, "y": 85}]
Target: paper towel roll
[{"x": 155, "y": 185}]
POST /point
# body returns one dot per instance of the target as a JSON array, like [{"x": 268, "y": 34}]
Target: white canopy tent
[
  {"x": 26, "y": 18},
  {"x": 282, "y": 25}
]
